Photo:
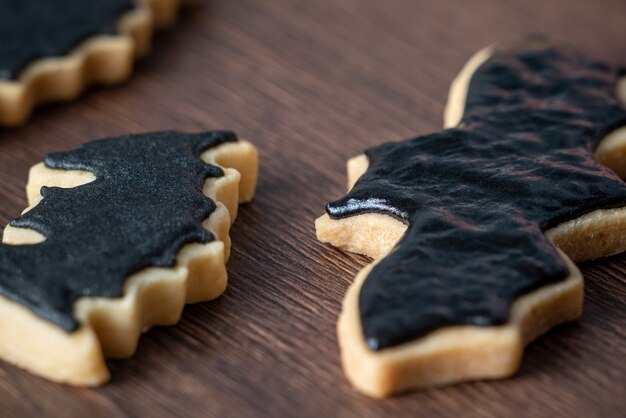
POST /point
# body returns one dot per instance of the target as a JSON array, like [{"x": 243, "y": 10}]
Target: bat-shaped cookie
[
  {"x": 119, "y": 235},
  {"x": 465, "y": 223},
  {"x": 50, "y": 50}
]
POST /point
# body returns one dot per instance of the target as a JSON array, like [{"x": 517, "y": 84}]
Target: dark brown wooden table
[{"x": 313, "y": 83}]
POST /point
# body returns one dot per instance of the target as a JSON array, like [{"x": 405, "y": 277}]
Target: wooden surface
[{"x": 313, "y": 83}]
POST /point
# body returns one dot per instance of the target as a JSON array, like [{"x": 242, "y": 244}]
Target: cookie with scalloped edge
[
  {"x": 51, "y": 50},
  {"x": 120, "y": 234}
]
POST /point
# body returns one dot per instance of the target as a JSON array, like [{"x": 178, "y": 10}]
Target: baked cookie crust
[
  {"x": 459, "y": 353},
  {"x": 101, "y": 59},
  {"x": 153, "y": 296}
]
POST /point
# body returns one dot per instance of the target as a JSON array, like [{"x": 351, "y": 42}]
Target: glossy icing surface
[
  {"x": 478, "y": 197},
  {"x": 32, "y": 29},
  {"x": 144, "y": 205}
]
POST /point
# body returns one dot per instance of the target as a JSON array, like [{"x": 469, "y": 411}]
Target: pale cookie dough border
[
  {"x": 460, "y": 353},
  {"x": 153, "y": 296},
  {"x": 104, "y": 60}
]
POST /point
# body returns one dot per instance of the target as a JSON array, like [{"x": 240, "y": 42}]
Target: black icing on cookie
[
  {"x": 144, "y": 205},
  {"x": 32, "y": 29},
  {"x": 478, "y": 197}
]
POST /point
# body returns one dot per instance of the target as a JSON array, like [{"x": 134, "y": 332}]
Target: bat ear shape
[
  {"x": 41, "y": 181},
  {"x": 42, "y": 177}
]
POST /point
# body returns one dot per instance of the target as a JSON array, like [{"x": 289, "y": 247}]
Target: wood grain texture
[{"x": 313, "y": 83}]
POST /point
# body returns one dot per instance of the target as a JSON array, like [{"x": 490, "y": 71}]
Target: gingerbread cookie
[
  {"x": 119, "y": 235},
  {"x": 474, "y": 228},
  {"x": 52, "y": 49}
]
